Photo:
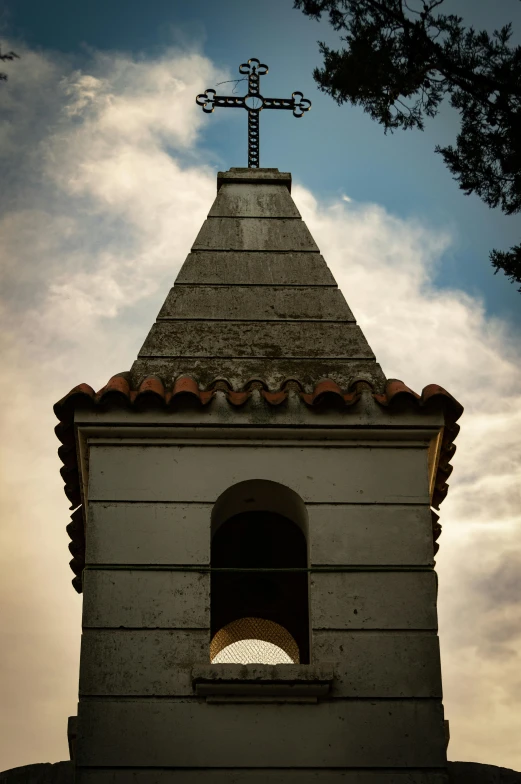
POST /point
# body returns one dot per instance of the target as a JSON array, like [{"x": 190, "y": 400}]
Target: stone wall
[{"x": 146, "y": 609}]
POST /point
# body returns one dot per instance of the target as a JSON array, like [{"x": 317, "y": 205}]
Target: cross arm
[
  {"x": 209, "y": 100},
  {"x": 297, "y": 103}
]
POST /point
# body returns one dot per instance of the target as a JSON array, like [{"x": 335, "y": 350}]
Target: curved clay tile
[
  {"x": 152, "y": 384},
  {"x": 117, "y": 387},
  {"x": 63, "y": 431},
  {"x": 77, "y": 549},
  {"x": 69, "y": 471},
  {"x": 186, "y": 385},
  {"x": 275, "y": 398},
  {"x": 238, "y": 398},
  {"x": 395, "y": 389},
  {"x": 324, "y": 388},
  {"x": 67, "y": 454},
  {"x": 432, "y": 391},
  {"x": 151, "y": 389},
  {"x": 77, "y": 566},
  {"x": 77, "y": 584},
  {"x": 65, "y": 407}
]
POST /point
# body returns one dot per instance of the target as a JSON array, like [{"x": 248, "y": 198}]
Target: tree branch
[{"x": 449, "y": 68}]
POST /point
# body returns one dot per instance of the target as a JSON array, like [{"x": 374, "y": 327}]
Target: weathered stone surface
[
  {"x": 179, "y": 534},
  {"x": 242, "y": 268},
  {"x": 161, "y": 663},
  {"x": 282, "y": 234},
  {"x": 255, "y": 339},
  {"x": 148, "y": 533},
  {"x": 254, "y": 303},
  {"x": 351, "y": 733},
  {"x": 146, "y": 599},
  {"x": 272, "y": 371},
  {"x": 372, "y": 535},
  {"x": 42, "y": 773},
  {"x": 247, "y": 200},
  {"x": 373, "y": 600},
  {"x": 381, "y": 664},
  {"x": 147, "y": 663},
  {"x": 201, "y": 473},
  {"x": 260, "y": 776}
]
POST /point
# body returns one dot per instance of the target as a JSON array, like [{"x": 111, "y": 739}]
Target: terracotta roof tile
[
  {"x": 328, "y": 390},
  {"x": 152, "y": 391}
]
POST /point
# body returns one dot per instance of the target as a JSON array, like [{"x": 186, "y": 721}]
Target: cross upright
[{"x": 254, "y": 103}]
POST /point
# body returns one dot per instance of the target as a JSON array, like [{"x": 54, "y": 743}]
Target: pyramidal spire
[{"x": 255, "y": 299}]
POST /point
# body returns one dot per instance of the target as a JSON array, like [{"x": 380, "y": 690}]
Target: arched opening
[
  {"x": 259, "y": 542},
  {"x": 254, "y": 640}
]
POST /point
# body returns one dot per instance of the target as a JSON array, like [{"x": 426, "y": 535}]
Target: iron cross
[{"x": 254, "y": 103}]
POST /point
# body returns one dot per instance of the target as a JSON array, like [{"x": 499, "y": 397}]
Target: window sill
[{"x": 262, "y": 682}]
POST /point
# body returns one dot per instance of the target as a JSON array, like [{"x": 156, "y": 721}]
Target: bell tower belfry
[{"x": 253, "y": 529}]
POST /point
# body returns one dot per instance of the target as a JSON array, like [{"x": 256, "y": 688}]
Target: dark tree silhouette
[
  {"x": 399, "y": 61},
  {"x": 3, "y": 58}
]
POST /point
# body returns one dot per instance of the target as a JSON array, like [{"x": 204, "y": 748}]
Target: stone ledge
[
  {"x": 262, "y": 683},
  {"x": 247, "y": 176}
]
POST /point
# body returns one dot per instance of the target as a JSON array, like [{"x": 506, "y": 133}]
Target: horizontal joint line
[
  {"x": 200, "y": 285},
  {"x": 200, "y": 698},
  {"x": 146, "y": 629},
  {"x": 174, "y": 319},
  {"x": 254, "y": 356},
  {"x": 197, "y": 284},
  {"x": 291, "y": 569},
  {"x": 432, "y": 632},
  {"x": 182, "y": 502},
  {"x": 257, "y": 217},
  {"x": 255, "y": 250},
  {"x": 243, "y": 251}
]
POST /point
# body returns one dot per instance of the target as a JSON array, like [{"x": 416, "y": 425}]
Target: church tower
[{"x": 253, "y": 530}]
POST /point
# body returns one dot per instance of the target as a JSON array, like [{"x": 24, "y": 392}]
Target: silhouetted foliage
[
  {"x": 4, "y": 57},
  {"x": 401, "y": 59}
]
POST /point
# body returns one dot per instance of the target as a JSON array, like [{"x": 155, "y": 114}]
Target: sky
[{"x": 108, "y": 170}]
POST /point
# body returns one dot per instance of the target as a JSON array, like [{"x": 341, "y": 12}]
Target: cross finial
[{"x": 254, "y": 103}]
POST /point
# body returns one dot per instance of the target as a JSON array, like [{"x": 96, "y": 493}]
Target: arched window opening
[
  {"x": 252, "y": 641},
  {"x": 259, "y": 556}
]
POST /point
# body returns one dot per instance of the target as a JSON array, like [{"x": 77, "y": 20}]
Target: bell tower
[{"x": 253, "y": 529}]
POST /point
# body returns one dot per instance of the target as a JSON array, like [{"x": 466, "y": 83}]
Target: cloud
[{"x": 108, "y": 186}]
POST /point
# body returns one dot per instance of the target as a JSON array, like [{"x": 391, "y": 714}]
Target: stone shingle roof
[{"x": 255, "y": 299}]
